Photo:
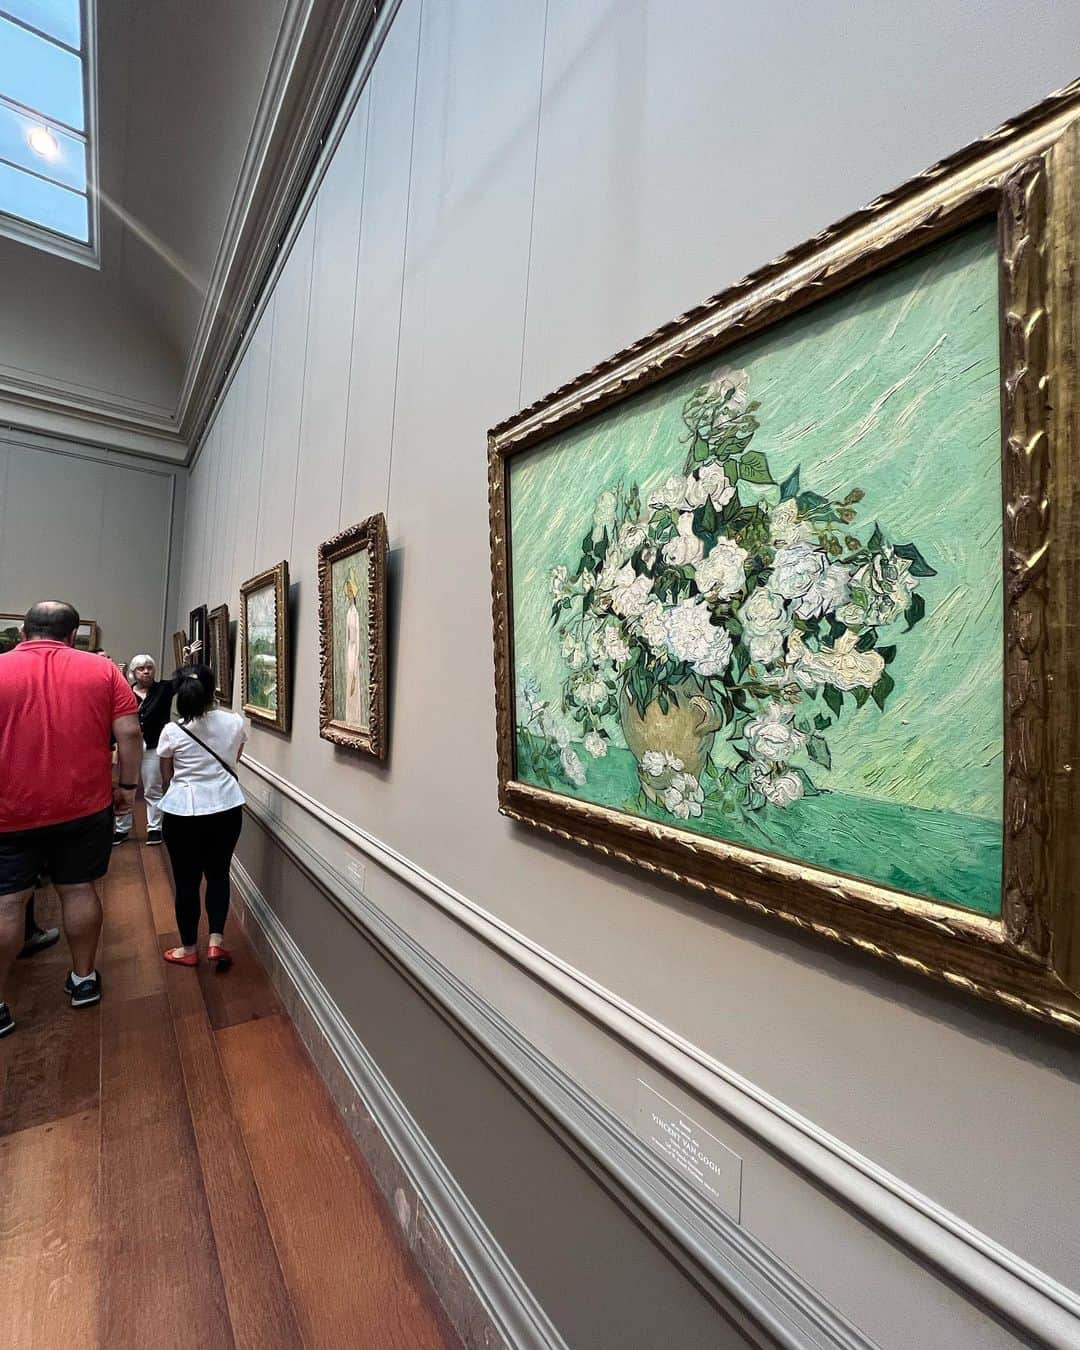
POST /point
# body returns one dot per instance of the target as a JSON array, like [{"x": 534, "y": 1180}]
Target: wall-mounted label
[
  {"x": 698, "y": 1156},
  {"x": 357, "y": 874}
]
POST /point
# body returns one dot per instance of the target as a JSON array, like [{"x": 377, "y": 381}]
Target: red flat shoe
[
  {"x": 183, "y": 959},
  {"x": 220, "y": 955}
]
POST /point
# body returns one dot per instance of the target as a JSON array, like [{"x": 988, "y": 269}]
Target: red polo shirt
[{"x": 57, "y": 707}]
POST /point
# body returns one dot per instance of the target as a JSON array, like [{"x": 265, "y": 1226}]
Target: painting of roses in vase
[{"x": 763, "y": 600}]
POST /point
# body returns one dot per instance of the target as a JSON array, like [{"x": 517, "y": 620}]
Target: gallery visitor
[
  {"x": 202, "y": 809},
  {"x": 59, "y": 711},
  {"x": 155, "y": 708}
]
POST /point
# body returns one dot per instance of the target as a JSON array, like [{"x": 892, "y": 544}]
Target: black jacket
[{"x": 155, "y": 710}]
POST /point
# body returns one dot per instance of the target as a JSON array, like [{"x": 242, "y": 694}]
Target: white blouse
[{"x": 200, "y": 785}]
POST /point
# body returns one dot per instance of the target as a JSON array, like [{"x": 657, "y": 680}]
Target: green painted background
[
  {"x": 339, "y": 572},
  {"x": 892, "y": 387}
]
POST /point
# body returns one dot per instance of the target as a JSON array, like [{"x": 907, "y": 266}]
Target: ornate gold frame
[
  {"x": 278, "y": 577},
  {"x": 1027, "y": 174},
  {"x": 92, "y": 638},
  {"x": 220, "y": 654},
  {"x": 370, "y": 537},
  {"x": 179, "y": 643}
]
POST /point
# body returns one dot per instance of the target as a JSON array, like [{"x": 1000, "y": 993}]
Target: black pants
[{"x": 201, "y": 846}]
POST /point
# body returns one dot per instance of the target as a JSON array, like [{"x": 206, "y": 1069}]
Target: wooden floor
[{"x": 172, "y": 1170}]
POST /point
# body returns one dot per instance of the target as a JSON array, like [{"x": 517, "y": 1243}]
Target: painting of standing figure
[
  {"x": 264, "y": 647},
  {"x": 352, "y": 637}
]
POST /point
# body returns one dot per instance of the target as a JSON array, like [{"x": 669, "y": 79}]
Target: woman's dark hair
[{"x": 194, "y": 687}]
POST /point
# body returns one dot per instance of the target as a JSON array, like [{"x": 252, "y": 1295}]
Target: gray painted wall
[
  {"x": 522, "y": 189},
  {"x": 91, "y": 527}
]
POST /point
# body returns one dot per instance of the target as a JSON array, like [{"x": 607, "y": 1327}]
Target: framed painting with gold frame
[
  {"x": 829, "y": 676},
  {"x": 264, "y": 647},
  {"x": 219, "y": 648},
  {"x": 179, "y": 647},
  {"x": 86, "y": 638},
  {"x": 352, "y": 637}
]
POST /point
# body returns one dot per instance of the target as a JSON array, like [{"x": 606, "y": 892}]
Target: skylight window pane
[
  {"x": 37, "y": 73},
  {"x": 64, "y": 157},
  {"x": 43, "y": 203},
  {"x": 59, "y": 18}
]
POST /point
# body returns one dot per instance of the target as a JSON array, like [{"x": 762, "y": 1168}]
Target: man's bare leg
[
  {"x": 12, "y": 925},
  {"x": 82, "y": 924}
]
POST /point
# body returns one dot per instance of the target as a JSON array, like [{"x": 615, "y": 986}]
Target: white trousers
[{"x": 151, "y": 782}]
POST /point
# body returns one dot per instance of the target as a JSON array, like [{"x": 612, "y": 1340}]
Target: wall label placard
[{"x": 698, "y": 1156}]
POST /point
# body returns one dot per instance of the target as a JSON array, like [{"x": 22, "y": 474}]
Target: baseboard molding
[
  {"x": 1026, "y": 1297},
  {"x": 485, "y": 1299},
  {"x": 752, "y": 1287}
]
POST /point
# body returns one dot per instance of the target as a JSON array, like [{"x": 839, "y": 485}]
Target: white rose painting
[{"x": 763, "y": 599}]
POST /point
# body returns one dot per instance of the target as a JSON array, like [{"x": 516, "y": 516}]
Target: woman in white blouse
[{"x": 202, "y": 809}]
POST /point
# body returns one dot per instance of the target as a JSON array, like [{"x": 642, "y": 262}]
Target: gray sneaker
[{"x": 85, "y": 993}]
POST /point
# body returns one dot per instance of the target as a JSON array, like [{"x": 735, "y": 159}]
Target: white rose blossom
[
  {"x": 693, "y": 637},
  {"x": 561, "y": 585},
  {"x": 825, "y": 594},
  {"x": 629, "y": 592},
  {"x": 886, "y": 586},
  {"x": 573, "y": 652},
  {"x": 730, "y": 385},
  {"x": 785, "y": 527},
  {"x": 650, "y": 627},
  {"x": 684, "y": 797},
  {"x": 656, "y": 763},
  {"x": 615, "y": 646},
  {"x": 795, "y": 569},
  {"x": 590, "y": 691},
  {"x": 782, "y": 790},
  {"x": 766, "y": 648},
  {"x": 572, "y": 767},
  {"x": 772, "y": 736},
  {"x": 765, "y": 624},
  {"x": 686, "y": 548},
  {"x": 679, "y": 493},
  {"x": 595, "y": 744},
  {"x": 722, "y": 574},
  {"x": 631, "y": 536},
  {"x": 839, "y": 665}
]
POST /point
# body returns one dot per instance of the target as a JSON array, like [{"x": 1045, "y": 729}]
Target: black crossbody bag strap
[{"x": 198, "y": 741}]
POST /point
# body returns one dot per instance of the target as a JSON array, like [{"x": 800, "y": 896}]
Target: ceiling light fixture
[{"x": 43, "y": 142}]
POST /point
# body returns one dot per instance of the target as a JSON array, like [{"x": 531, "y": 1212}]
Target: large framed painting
[
  {"x": 782, "y": 592},
  {"x": 264, "y": 647},
  {"x": 86, "y": 637},
  {"x": 219, "y": 648},
  {"x": 352, "y": 637},
  {"x": 198, "y": 626}
]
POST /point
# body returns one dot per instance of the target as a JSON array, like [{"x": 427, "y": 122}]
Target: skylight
[{"x": 46, "y": 124}]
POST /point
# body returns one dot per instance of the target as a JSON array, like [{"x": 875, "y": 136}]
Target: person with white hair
[{"x": 154, "y": 698}]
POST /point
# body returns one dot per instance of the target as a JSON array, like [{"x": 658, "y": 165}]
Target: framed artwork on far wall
[
  {"x": 86, "y": 637},
  {"x": 179, "y": 645},
  {"x": 198, "y": 624},
  {"x": 782, "y": 593},
  {"x": 220, "y": 653},
  {"x": 352, "y": 637},
  {"x": 264, "y": 647}
]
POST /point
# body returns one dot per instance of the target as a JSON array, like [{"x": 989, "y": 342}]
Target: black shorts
[{"x": 73, "y": 852}]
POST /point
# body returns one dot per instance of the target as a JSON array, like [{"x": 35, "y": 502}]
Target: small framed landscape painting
[
  {"x": 352, "y": 637},
  {"x": 264, "y": 647},
  {"x": 219, "y": 648},
  {"x": 780, "y": 592},
  {"x": 86, "y": 637},
  {"x": 198, "y": 624}
]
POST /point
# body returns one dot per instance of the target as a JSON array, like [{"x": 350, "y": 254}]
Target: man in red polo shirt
[{"x": 59, "y": 711}]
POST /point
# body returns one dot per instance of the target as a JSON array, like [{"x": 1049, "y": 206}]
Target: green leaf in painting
[
  {"x": 884, "y": 687},
  {"x": 866, "y": 640},
  {"x": 790, "y": 486},
  {"x": 861, "y": 694},
  {"x": 701, "y": 450},
  {"x": 706, "y": 518},
  {"x": 810, "y": 789},
  {"x": 919, "y": 566},
  {"x": 810, "y": 501},
  {"x": 821, "y": 722},
  {"x": 887, "y": 654},
  {"x": 834, "y": 698},
  {"x": 754, "y": 468},
  {"x": 818, "y": 750},
  {"x": 914, "y": 612},
  {"x": 876, "y": 540}
]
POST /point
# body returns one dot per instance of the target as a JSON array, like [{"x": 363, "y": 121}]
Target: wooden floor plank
[
  {"x": 162, "y": 1281},
  {"x": 51, "y": 1066},
  {"x": 260, "y": 1308},
  {"x": 50, "y": 1257},
  {"x": 130, "y": 961},
  {"x": 351, "y": 1279}
]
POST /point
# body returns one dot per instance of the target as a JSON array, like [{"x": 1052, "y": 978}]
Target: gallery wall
[
  {"x": 92, "y": 527},
  {"x": 521, "y": 190}
]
